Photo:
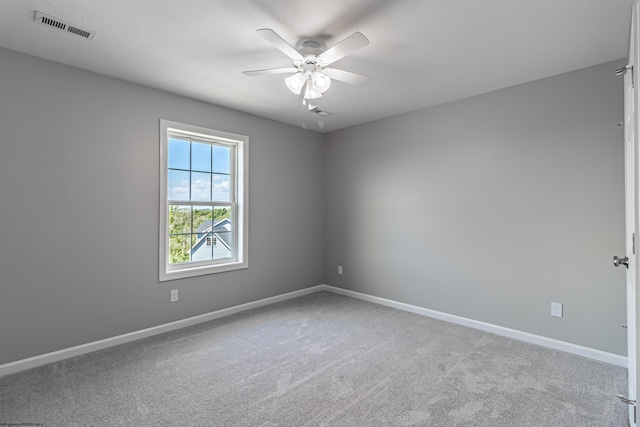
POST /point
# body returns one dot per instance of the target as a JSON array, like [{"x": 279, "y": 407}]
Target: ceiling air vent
[
  {"x": 61, "y": 25},
  {"x": 319, "y": 112}
]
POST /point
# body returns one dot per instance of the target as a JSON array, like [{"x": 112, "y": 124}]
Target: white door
[{"x": 632, "y": 224}]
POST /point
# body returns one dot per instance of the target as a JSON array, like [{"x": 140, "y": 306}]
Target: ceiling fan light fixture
[
  {"x": 320, "y": 82},
  {"x": 295, "y": 83}
]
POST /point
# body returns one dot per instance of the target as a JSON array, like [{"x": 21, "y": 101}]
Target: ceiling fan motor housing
[
  {"x": 310, "y": 48},
  {"x": 309, "y": 64}
]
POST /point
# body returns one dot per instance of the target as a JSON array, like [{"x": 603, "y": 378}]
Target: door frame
[{"x": 632, "y": 207}]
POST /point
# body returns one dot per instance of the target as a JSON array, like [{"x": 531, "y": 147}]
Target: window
[{"x": 203, "y": 201}]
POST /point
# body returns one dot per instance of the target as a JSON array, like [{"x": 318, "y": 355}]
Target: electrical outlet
[
  {"x": 174, "y": 295},
  {"x": 556, "y": 309},
  {"x": 340, "y": 269}
]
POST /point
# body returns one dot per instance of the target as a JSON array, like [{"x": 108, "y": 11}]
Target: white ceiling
[{"x": 421, "y": 52}]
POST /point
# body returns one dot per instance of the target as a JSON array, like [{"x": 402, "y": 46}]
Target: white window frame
[{"x": 240, "y": 196}]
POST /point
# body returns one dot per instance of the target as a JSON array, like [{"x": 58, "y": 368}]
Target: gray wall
[
  {"x": 490, "y": 207},
  {"x": 79, "y": 186}
]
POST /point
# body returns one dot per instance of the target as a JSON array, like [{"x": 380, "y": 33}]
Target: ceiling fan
[{"x": 310, "y": 74}]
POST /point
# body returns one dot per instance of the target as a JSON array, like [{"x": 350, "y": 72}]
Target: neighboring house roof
[
  {"x": 221, "y": 230},
  {"x": 206, "y": 226}
]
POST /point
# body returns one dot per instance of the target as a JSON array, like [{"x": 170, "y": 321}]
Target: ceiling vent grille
[
  {"x": 320, "y": 112},
  {"x": 61, "y": 25}
]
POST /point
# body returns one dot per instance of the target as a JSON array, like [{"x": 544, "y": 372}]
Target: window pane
[
  {"x": 221, "y": 188},
  {"x": 202, "y": 219},
  {"x": 178, "y": 154},
  {"x": 177, "y": 185},
  {"x": 200, "y": 157},
  {"x": 222, "y": 230},
  {"x": 223, "y": 245},
  {"x": 179, "y": 249},
  {"x": 221, "y": 159},
  {"x": 179, "y": 219},
  {"x": 220, "y": 213},
  {"x": 200, "y": 186},
  {"x": 203, "y": 238},
  {"x": 202, "y": 249}
]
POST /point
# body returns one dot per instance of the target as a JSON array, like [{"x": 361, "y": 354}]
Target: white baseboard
[
  {"x": 588, "y": 352},
  {"x": 55, "y": 356},
  {"x": 32, "y": 362}
]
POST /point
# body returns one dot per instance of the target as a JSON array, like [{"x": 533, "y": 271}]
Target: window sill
[{"x": 185, "y": 272}]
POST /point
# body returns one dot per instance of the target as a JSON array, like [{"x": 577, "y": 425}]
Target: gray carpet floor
[{"x": 319, "y": 360}]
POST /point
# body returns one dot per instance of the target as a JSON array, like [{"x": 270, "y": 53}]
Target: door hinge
[
  {"x": 623, "y": 71},
  {"x": 633, "y": 243}
]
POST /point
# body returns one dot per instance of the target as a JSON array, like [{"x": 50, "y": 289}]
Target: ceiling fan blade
[
  {"x": 272, "y": 37},
  {"x": 288, "y": 70},
  {"x": 348, "y": 76},
  {"x": 347, "y": 46}
]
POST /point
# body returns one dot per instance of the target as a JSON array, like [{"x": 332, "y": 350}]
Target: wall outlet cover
[
  {"x": 174, "y": 295},
  {"x": 556, "y": 309}
]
